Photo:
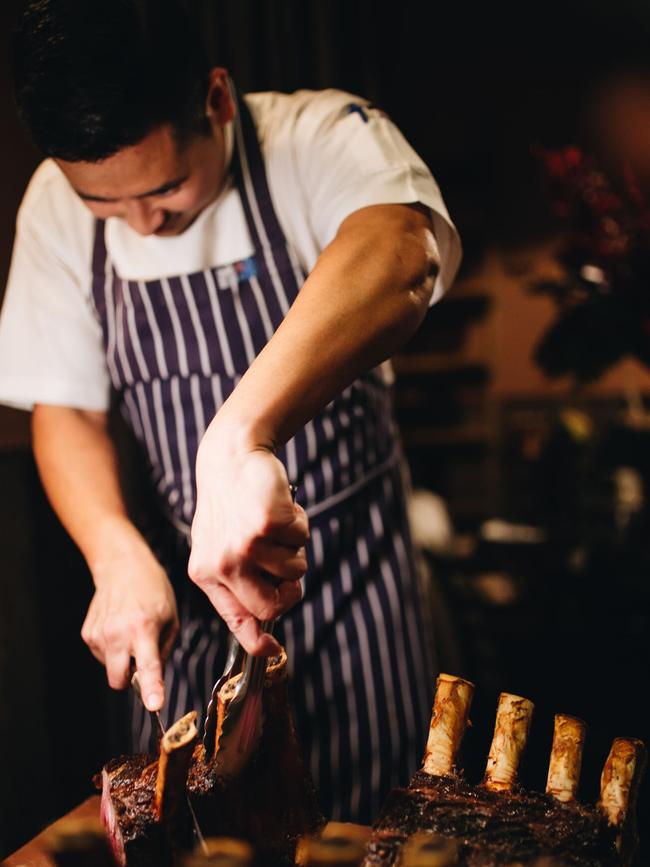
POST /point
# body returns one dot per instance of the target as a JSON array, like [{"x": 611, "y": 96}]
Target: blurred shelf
[
  {"x": 445, "y": 325},
  {"x": 460, "y": 435},
  {"x": 433, "y": 362}
]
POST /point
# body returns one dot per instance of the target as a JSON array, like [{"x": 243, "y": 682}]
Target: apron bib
[{"x": 361, "y": 671}]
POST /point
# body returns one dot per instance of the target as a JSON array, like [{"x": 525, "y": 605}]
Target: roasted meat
[
  {"x": 497, "y": 822},
  {"x": 144, "y": 803},
  {"x": 271, "y": 803}
]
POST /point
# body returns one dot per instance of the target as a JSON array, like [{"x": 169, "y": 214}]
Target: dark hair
[{"x": 94, "y": 76}]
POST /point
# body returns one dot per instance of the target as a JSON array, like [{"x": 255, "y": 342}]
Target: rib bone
[
  {"x": 514, "y": 715},
  {"x": 221, "y": 851},
  {"x": 448, "y": 723},
  {"x": 342, "y": 850},
  {"x": 429, "y": 850},
  {"x": 619, "y": 786},
  {"x": 175, "y": 755},
  {"x": 566, "y": 758},
  {"x": 359, "y": 834}
]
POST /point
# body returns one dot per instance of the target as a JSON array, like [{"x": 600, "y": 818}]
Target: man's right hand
[
  {"x": 132, "y": 615},
  {"x": 133, "y": 612}
]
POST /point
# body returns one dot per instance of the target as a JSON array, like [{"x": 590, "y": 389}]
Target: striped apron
[{"x": 361, "y": 672}]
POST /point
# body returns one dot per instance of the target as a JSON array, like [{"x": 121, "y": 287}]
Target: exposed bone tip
[
  {"x": 514, "y": 715},
  {"x": 182, "y": 732},
  {"x": 453, "y": 678},
  {"x": 176, "y": 749},
  {"x": 566, "y": 758},
  {"x": 620, "y": 780},
  {"x": 222, "y": 851},
  {"x": 276, "y": 668},
  {"x": 339, "y": 843},
  {"x": 426, "y": 849},
  {"x": 448, "y": 723}
]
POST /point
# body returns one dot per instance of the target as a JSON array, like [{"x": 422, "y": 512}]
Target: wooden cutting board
[{"x": 32, "y": 854}]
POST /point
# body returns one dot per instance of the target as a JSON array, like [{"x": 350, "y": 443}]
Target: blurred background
[{"x": 523, "y": 399}]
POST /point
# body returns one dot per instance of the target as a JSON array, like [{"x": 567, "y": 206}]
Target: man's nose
[{"x": 142, "y": 217}]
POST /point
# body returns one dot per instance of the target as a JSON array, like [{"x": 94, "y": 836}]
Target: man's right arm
[{"x": 134, "y": 606}]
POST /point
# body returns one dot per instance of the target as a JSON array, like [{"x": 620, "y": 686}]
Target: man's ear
[{"x": 219, "y": 104}]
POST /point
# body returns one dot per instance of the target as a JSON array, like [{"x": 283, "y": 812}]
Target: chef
[{"x": 232, "y": 272}]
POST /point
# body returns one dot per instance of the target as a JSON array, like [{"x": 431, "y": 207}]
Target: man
[{"x": 162, "y": 251}]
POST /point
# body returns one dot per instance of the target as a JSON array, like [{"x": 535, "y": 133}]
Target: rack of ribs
[
  {"x": 147, "y": 799},
  {"x": 497, "y": 822}
]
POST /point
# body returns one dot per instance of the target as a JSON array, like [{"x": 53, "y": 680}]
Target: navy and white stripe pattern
[{"x": 176, "y": 348}]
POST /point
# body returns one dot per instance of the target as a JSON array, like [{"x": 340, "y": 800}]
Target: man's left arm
[{"x": 367, "y": 294}]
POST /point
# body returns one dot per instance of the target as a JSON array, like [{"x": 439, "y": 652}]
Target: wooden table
[{"x": 32, "y": 854}]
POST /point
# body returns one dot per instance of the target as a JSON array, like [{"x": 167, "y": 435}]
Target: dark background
[{"x": 472, "y": 87}]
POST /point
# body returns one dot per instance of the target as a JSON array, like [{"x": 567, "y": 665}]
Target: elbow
[{"x": 422, "y": 266}]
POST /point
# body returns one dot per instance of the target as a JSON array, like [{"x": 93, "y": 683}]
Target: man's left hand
[{"x": 248, "y": 538}]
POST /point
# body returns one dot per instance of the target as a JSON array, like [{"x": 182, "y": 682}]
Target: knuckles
[
  {"x": 295, "y": 570},
  {"x": 118, "y": 632},
  {"x": 202, "y": 570},
  {"x": 112, "y": 633}
]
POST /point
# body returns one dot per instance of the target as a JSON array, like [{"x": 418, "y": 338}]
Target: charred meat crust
[
  {"x": 272, "y": 804},
  {"x": 492, "y": 828},
  {"x": 274, "y": 801}
]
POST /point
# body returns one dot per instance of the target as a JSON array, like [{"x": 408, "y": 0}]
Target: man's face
[{"x": 158, "y": 187}]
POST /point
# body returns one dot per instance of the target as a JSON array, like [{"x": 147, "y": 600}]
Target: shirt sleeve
[
  {"x": 350, "y": 155},
  {"x": 50, "y": 340}
]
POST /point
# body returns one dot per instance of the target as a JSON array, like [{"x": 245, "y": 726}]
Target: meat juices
[
  {"x": 498, "y": 823},
  {"x": 271, "y": 804}
]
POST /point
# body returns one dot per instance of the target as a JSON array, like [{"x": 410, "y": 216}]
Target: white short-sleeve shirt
[{"x": 327, "y": 154}]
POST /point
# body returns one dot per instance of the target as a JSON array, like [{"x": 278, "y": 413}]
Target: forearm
[
  {"x": 133, "y": 611},
  {"x": 77, "y": 463},
  {"x": 366, "y": 296}
]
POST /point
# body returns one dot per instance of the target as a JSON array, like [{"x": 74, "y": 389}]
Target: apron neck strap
[{"x": 250, "y": 176}]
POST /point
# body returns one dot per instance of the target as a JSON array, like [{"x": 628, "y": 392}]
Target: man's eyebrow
[{"x": 164, "y": 188}]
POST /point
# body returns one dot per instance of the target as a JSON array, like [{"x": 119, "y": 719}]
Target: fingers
[
  {"x": 115, "y": 642},
  {"x": 149, "y": 667},
  {"x": 241, "y": 622},
  {"x": 167, "y": 638},
  {"x": 258, "y": 596},
  {"x": 266, "y": 583},
  {"x": 118, "y": 664},
  {"x": 248, "y": 552},
  {"x": 294, "y": 534},
  {"x": 280, "y": 562},
  {"x": 290, "y": 593}
]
